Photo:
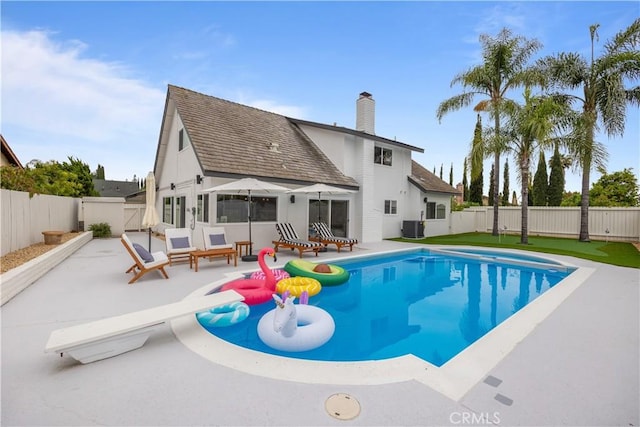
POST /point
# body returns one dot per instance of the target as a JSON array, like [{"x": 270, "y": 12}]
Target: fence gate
[{"x": 133, "y": 214}]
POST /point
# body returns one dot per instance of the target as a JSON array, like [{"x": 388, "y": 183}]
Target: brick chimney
[
  {"x": 460, "y": 195},
  {"x": 365, "y": 113}
]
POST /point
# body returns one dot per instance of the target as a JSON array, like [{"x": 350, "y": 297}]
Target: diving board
[{"x": 112, "y": 336}]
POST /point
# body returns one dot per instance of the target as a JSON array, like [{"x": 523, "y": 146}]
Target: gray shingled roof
[
  {"x": 9, "y": 154},
  {"x": 342, "y": 129},
  {"x": 231, "y": 139},
  {"x": 428, "y": 181},
  {"x": 110, "y": 188}
]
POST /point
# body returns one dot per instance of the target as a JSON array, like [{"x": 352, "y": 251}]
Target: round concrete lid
[{"x": 342, "y": 406}]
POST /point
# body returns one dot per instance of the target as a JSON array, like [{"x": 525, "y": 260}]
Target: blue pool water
[
  {"x": 504, "y": 255},
  {"x": 420, "y": 302}
]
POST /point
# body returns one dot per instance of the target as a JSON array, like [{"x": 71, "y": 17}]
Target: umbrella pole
[
  {"x": 251, "y": 256},
  {"x": 149, "y": 239},
  {"x": 324, "y": 248}
]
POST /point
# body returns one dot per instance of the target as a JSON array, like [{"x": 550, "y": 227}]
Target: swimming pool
[
  {"x": 426, "y": 303},
  {"x": 502, "y": 255}
]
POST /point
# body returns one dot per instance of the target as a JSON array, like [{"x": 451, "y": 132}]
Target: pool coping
[{"x": 454, "y": 379}]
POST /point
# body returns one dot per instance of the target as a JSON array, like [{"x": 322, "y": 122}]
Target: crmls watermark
[{"x": 473, "y": 418}]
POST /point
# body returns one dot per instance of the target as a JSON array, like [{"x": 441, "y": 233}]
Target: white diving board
[{"x": 112, "y": 336}]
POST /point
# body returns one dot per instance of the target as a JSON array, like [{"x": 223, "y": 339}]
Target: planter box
[{"x": 17, "y": 279}]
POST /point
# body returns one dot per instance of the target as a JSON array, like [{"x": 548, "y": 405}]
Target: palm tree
[
  {"x": 529, "y": 129},
  {"x": 475, "y": 188},
  {"x": 606, "y": 86},
  {"x": 504, "y": 68}
]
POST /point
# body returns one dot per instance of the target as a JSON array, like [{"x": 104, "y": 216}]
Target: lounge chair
[
  {"x": 144, "y": 261},
  {"x": 215, "y": 238},
  {"x": 215, "y": 245},
  {"x": 289, "y": 239},
  {"x": 179, "y": 244},
  {"x": 325, "y": 235}
]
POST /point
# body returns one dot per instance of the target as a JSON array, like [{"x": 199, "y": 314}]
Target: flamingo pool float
[{"x": 256, "y": 291}]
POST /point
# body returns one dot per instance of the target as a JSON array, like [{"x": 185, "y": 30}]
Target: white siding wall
[
  {"x": 368, "y": 207},
  {"x": 354, "y": 157},
  {"x": 391, "y": 183},
  {"x": 345, "y": 152},
  {"x": 438, "y": 227},
  {"x": 179, "y": 167},
  {"x": 332, "y": 145}
]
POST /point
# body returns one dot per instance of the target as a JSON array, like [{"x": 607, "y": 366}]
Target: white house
[{"x": 207, "y": 141}]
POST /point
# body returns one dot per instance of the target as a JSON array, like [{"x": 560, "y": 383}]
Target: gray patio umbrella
[
  {"x": 319, "y": 189},
  {"x": 150, "y": 218},
  {"x": 247, "y": 185}
]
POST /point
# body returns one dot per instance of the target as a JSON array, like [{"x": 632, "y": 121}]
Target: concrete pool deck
[{"x": 578, "y": 366}]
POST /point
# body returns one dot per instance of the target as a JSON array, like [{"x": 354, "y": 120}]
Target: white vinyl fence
[
  {"x": 24, "y": 218},
  {"x": 133, "y": 214},
  {"x": 620, "y": 224}
]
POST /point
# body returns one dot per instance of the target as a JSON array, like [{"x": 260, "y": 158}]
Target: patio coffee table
[{"x": 211, "y": 253}]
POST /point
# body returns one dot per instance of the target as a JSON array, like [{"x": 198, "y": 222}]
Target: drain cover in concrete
[{"x": 342, "y": 406}]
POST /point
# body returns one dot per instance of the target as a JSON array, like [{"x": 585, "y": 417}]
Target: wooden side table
[
  {"x": 243, "y": 244},
  {"x": 211, "y": 253}
]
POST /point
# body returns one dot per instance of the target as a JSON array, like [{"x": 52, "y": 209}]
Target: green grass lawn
[{"x": 616, "y": 253}]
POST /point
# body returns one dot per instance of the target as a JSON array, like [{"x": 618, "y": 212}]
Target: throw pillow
[
  {"x": 144, "y": 254},
  {"x": 217, "y": 239},
  {"x": 180, "y": 242}
]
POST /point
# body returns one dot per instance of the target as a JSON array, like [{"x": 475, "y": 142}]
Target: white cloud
[
  {"x": 509, "y": 15},
  {"x": 55, "y": 97},
  {"x": 285, "y": 110},
  {"x": 246, "y": 97}
]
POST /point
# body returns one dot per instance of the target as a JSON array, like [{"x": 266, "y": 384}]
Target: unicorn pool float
[
  {"x": 291, "y": 327},
  {"x": 256, "y": 290}
]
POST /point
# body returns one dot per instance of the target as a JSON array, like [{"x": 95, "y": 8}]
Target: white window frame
[
  {"x": 390, "y": 207},
  {"x": 202, "y": 207},
  {"x": 382, "y": 156},
  {"x": 167, "y": 210},
  {"x": 183, "y": 140}
]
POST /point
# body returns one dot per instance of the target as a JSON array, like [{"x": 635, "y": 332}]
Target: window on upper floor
[
  {"x": 183, "y": 140},
  {"x": 382, "y": 156},
  {"x": 390, "y": 207}
]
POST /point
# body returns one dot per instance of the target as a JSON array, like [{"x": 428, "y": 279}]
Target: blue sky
[{"x": 89, "y": 79}]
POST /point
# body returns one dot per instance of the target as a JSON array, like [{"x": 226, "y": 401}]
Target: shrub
[{"x": 101, "y": 229}]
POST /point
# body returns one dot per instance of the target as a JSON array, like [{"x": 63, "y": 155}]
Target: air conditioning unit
[{"x": 412, "y": 229}]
